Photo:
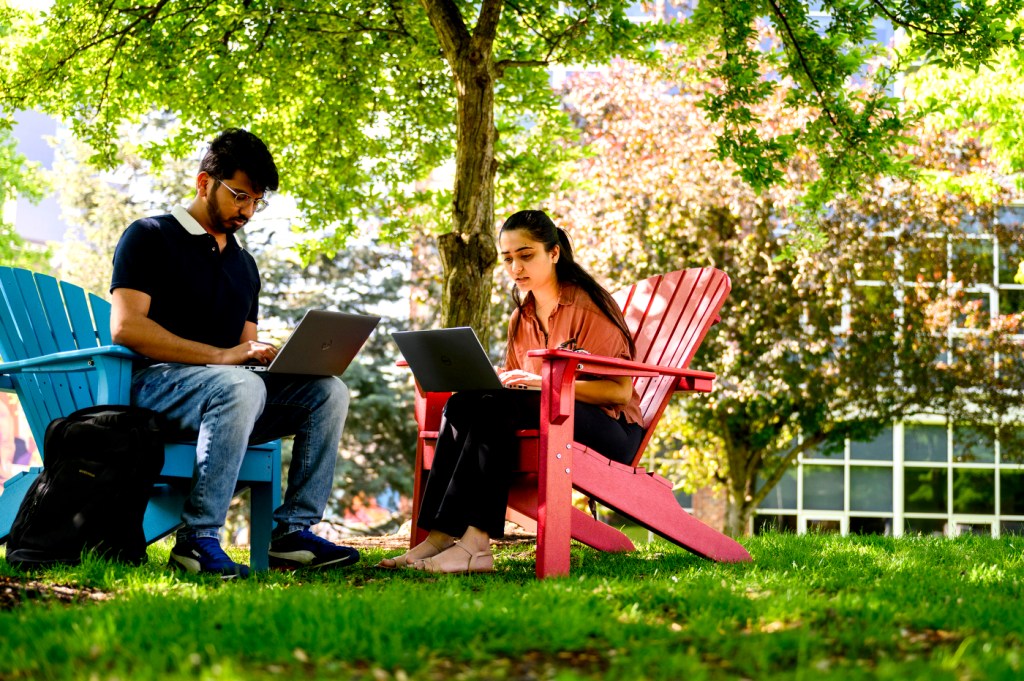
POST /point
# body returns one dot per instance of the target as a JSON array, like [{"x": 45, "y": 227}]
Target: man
[{"x": 185, "y": 295}]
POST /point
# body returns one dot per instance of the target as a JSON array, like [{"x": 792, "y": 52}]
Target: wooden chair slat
[
  {"x": 25, "y": 311},
  {"x": 677, "y": 293},
  {"x": 57, "y": 312},
  {"x": 101, "y": 315}
]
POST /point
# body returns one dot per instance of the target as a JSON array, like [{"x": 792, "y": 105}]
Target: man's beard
[{"x": 221, "y": 224}]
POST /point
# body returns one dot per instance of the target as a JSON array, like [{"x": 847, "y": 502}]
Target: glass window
[
  {"x": 783, "y": 495},
  {"x": 979, "y": 529},
  {"x": 877, "y": 259},
  {"x": 823, "y": 488},
  {"x": 924, "y": 443},
  {"x": 974, "y": 491},
  {"x": 975, "y": 312},
  {"x": 685, "y": 499},
  {"x": 878, "y": 449},
  {"x": 935, "y": 527},
  {"x": 1009, "y": 260},
  {"x": 972, "y": 261},
  {"x": 1011, "y": 492},
  {"x": 829, "y": 451},
  {"x": 924, "y": 490},
  {"x": 974, "y": 444},
  {"x": 1011, "y": 301},
  {"x": 1011, "y": 444},
  {"x": 1012, "y": 527},
  {"x": 871, "y": 526},
  {"x": 817, "y": 526},
  {"x": 925, "y": 261},
  {"x": 1010, "y": 364},
  {"x": 872, "y": 302},
  {"x": 870, "y": 488},
  {"x": 974, "y": 351},
  {"x": 774, "y": 523}
]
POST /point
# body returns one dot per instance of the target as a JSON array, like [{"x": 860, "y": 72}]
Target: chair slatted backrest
[
  {"x": 669, "y": 315},
  {"x": 41, "y": 316}
]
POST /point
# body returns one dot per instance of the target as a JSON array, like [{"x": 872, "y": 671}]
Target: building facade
[{"x": 922, "y": 476}]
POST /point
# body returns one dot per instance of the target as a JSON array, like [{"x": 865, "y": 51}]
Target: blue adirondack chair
[{"x": 58, "y": 357}]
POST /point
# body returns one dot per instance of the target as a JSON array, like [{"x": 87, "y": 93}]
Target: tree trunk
[
  {"x": 468, "y": 253},
  {"x": 738, "y": 509},
  {"x": 467, "y": 260}
]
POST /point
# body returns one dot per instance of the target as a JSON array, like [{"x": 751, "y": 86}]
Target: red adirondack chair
[{"x": 668, "y": 315}]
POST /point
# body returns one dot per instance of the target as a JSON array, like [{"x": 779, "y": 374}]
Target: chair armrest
[
  {"x": 689, "y": 379},
  {"x": 561, "y": 367},
  {"x": 72, "y": 360}
]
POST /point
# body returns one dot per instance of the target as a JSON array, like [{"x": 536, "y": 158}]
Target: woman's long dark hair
[{"x": 541, "y": 228}]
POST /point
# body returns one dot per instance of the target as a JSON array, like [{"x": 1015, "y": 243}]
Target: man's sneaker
[
  {"x": 305, "y": 549},
  {"x": 204, "y": 555}
]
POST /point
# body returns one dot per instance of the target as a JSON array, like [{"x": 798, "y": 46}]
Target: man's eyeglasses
[{"x": 242, "y": 199}]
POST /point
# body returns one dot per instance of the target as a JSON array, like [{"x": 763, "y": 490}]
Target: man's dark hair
[{"x": 237, "y": 149}]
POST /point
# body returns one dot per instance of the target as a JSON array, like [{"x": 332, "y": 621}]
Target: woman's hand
[{"x": 517, "y": 378}]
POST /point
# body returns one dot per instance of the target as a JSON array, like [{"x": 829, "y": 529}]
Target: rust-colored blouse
[{"x": 575, "y": 316}]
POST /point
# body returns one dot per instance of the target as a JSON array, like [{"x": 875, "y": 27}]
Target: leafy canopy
[{"x": 355, "y": 99}]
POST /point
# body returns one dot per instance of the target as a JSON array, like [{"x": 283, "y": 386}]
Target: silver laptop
[
  {"x": 323, "y": 344},
  {"x": 448, "y": 360}
]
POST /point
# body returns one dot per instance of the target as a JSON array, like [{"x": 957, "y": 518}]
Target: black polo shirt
[{"x": 198, "y": 292}]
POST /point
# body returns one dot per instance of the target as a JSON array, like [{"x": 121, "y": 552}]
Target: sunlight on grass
[{"x": 811, "y": 605}]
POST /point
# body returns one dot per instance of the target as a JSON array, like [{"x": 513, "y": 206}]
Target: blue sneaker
[
  {"x": 204, "y": 555},
  {"x": 305, "y": 549}
]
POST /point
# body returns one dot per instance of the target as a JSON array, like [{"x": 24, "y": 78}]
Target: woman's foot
[
  {"x": 431, "y": 546},
  {"x": 458, "y": 559}
]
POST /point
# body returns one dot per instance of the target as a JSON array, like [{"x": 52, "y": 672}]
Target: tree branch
[
  {"x": 451, "y": 30},
  {"x": 357, "y": 27},
  {"x": 804, "y": 65},
  {"x": 487, "y": 22},
  {"x": 894, "y": 18},
  {"x": 552, "y": 41},
  {"x": 501, "y": 66}
]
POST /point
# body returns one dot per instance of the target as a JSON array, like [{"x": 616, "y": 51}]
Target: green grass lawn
[{"x": 808, "y": 607}]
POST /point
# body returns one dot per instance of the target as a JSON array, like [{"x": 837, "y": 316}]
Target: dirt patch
[{"x": 14, "y": 591}]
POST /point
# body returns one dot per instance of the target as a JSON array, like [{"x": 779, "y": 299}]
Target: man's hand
[{"x": 250, "y": 352}]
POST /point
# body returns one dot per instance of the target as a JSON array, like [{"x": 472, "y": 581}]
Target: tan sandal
[
  {"x": 486, "y": 563},
  {"x": 403, "y": 561}
]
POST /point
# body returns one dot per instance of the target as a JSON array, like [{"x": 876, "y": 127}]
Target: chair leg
[
  {"x": 264, "y": 499},
  {"x": 261, "y": 524},
  {"x": 416, "y": 534}
]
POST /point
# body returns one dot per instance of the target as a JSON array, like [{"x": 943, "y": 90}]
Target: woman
[{"x": 557, "y": 305}]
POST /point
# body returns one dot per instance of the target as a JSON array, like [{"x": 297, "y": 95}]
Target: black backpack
[{"x": 99, "y": 467}]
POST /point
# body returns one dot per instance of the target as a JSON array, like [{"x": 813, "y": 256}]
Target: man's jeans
[{"x": 226, "y": 409}]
